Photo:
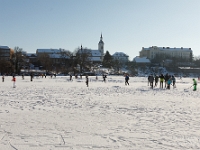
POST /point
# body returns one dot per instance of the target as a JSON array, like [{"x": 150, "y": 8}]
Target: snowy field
[{"x": 58, "y": 114}]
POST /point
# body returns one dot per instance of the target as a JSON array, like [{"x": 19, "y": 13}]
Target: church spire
[
  {"x": 101, "y": 39},
  {"x": 101, "y": 47}
]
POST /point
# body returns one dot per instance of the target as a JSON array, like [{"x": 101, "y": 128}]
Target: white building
[
  {"x": 120, "y": 56},
  {"x": 151, "y": 52},
  {"x": 95, "y": 56},
  {"x": 48, "y": 51}
]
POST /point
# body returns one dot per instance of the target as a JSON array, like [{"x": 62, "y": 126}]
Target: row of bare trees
[{"x": 77, "y": 61}]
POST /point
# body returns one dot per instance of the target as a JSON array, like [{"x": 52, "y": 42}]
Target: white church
[{"x": 96, "y": 56}]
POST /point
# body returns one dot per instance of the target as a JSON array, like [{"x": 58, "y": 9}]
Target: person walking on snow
[
  {"x": 3, "y": 78},
  {"x": 87, "y": 81},
  {"x": 70, "y": 77},
  {"x": 173, "y": 81},
  {"x": 166, "y": 77},
  {"x": 126, "y": 79},
  {"x": 162, "y": 78},
  {"x": 148, "y": 80},
  {"x": 194, "y": 85},
  {"x": 104, "y": 78},
  {"x": 14, "y": 80},
  {"x": 22, "y": 76},
  {"x": 156, "y": 80},
  {"x": 169, "y": 81},
  {"x": 151, "y": 80}
]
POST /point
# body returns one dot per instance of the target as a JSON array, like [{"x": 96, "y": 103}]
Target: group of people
[
  {"x": 153, "y": 80},
  {"x": 104, "y": 76},
  {"x": 167, "y": 79}
]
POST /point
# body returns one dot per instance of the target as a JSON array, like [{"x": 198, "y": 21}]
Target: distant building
[
  {"x": 101, "y": 47},
  {"x": 95, "y": 56},
  {"x": 39, "y": 52},
  {"x": 120, "y": 56},
  {"x": 5, "y": 53},
  {"x": 151, "y": 52},
  {"x": 32, "y": 57},
  {"x": 141, "y": 60},
  {"x": 56, "y": 55}
]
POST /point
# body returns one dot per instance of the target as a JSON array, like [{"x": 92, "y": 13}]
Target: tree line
[{"x": 79, "y": 61}]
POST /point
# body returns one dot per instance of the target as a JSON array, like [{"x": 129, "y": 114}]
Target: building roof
[
  {"x": 120, "y": 54},
  {"x": 48, "y": 50},
  {"x": 168, "y": 48},
  {"x": 138, "y": 59},
  {"x": 4, "y": 47},
  {"x": 95, "y": 53},
  {"x": 92, "y": 52}
]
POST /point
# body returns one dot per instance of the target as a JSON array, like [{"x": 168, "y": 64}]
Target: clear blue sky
[{"x": 126, "y": 25}]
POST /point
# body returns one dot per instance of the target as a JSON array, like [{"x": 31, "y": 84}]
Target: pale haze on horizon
[{"x": 126, "y": 25}]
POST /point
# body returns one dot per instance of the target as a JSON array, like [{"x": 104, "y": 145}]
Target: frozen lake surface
[{"x": 58, "y": 114}]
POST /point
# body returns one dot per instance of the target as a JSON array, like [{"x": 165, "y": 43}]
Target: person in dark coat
[
  {"x": 70, "y": 77},
  {"x": 104, "y": 78},
  {"x": 166, "y": 79},
  {"x": 31, "y": 77},
  {"x": 3, "y": 78},
  {"x": 126, "y": 79},
  {"x": 87, "y": 80},
  {"x": 156, "y": 80},
  {"x": 174, "y": 81},
  {"x": 151, "y": 80},
  {"x": 148, "y": 80}
]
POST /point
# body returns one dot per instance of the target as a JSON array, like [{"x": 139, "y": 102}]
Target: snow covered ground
[{"x": 58, "y": 114}]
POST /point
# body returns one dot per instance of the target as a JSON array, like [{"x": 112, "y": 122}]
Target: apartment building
[
  {"x": 5, "y": 53},
  {"x": 151, "y": 52}
]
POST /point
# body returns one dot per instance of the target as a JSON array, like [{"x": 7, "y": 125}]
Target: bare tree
[
  {"x": 17, "y": 59},
  {"x": 46, "y": 62},
  {"x": 83, "y": 58},
  {"x": 66, "y": 60},
  {"x": 5, "y": 66}
]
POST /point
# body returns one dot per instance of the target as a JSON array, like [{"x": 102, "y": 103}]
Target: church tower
[{"x": 101, "y": 47}]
